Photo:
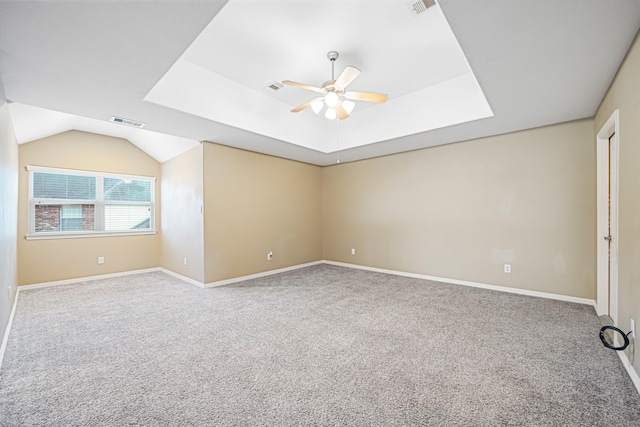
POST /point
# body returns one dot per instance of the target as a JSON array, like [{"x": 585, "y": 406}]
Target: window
[
  {"x": 73, "y": 203},
  {"x": 71, "y": 218}
]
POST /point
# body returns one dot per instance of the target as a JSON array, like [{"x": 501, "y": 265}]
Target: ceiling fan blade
[
  {"x": 366, "y": 96},
  {"x": 305, "y": 105},
  {"x": 302, "y": 85},
  {"x": 301, "y": 107},
  {"x": 348, "y": 75},
  {"x": 342, "y": 113}
]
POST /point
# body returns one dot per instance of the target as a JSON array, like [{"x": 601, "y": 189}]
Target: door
[
  {"x": 608, "y": 238},
  {"x": 607, "y": 234}
]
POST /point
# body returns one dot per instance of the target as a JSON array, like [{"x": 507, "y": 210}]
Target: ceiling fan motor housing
[{"x": 328, "y": 86}]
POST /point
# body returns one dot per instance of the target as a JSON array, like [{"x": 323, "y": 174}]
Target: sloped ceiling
[{"x": 77, "y": 64}]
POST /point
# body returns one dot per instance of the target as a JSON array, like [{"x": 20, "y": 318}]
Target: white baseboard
[
  {"x": 472, "y": 284},
  {"x": 258, "y": 275},
  {"x": 632, "y": 372},
  {"x": 86, "y": 279},
  {"x": 181, "y": 277},
  {"x": 169, "y": 272},
  {"x": 5, "y": 339},
  {"x": 295, "y": 267}
]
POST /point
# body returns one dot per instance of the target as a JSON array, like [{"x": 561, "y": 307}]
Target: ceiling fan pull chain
[{"x": 337, "y": 141}]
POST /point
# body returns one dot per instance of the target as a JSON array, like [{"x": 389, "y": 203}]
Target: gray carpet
[{"x": 324, "y": 345}]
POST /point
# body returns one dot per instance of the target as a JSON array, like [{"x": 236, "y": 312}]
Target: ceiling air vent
[
  {"x": 128, "y": 122},
  {"x": 420, "y": 6},
  {"x": 273, "y": 87}
]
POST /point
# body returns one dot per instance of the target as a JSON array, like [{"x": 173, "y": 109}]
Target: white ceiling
[
  {"x": 426, "y": 95},
  {"x": 75, "y": 65}
]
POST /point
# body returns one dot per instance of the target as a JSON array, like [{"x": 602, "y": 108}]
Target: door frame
[{"x": 604, "y": 170}]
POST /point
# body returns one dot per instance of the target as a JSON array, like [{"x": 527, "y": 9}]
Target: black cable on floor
[{"x": 613, "y": 328}]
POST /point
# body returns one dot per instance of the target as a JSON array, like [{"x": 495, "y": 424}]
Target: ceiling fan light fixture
[
  {"x": 317, "y": 105},
  {"x": 330, "y": 114},
  {"x": 331, "y": 99},
  {"x": 348, "y": 105}
]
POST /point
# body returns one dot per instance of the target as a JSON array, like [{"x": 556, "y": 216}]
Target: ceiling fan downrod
[{"x": 333, "y": 55}]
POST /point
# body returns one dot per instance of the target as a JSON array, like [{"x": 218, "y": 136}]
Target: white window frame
[{"x": 98, "y": 205}]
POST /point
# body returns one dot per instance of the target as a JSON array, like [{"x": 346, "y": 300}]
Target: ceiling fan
[{"x": 339, "y": 102}]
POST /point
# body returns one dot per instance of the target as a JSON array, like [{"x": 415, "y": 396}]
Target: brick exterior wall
[
  {"x": 47, "y": 218},
  {"x": 88, "y": 217}
]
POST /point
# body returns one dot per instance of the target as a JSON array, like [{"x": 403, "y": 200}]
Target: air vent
[
  {"x": 128, "y": 122},
  {"x": 273, "y": 87},
  {"x": 420, "y": 6}
]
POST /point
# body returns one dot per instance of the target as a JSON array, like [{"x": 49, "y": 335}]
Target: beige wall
[
  {"x": 58, "y": 259},
  {"x": 8, "y": 213},
  {"x": 182, "y": 218},
  {"x": 624, "y": 95},
  {"x": 461, "y": 211},
  {"x": 254, "y": 204}
]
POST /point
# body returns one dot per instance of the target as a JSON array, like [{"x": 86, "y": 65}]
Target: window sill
[{"x": 85, "y": 234}]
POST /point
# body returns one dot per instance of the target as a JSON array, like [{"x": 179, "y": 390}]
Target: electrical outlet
[
  {"x": 633, "y": 328},
  {"x": 269, "y": 256},
  {"x": 185, "y": 261},
  {"x": 100, "y": 260},
  {"x": 10, "y": 293},
  {"x": 507, "y": 268},
  {"x": 353, "y": 251}
]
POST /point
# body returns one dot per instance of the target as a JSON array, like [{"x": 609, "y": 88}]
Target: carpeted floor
[{"x": 323, "y": 345}]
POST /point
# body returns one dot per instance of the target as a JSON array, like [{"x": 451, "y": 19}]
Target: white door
[{"x": 607, "y": 274}]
